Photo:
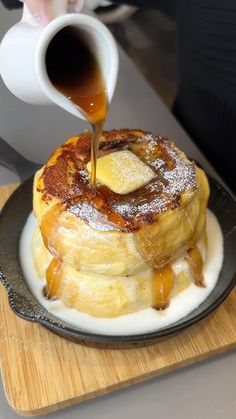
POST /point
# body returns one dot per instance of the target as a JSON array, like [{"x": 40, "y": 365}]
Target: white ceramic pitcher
[{"x": 23, "y": 50}]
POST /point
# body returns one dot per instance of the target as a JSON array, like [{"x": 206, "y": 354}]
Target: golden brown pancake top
[{"x": 66, "y": 178}]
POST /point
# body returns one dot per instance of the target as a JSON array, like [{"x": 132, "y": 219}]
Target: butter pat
[{"x": 122, "y": 172}]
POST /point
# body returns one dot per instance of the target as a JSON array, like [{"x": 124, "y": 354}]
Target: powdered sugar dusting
[
  {"x": 171, "y": 174},
  {"x": 95, "y": 218},
  {"x": 174, "y": 175},
  {"x": 182, "y": 177},
  {"x": 157, "y": 205}
]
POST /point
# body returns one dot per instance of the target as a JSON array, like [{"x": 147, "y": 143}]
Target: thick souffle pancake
[
  {"x": 111, "y": 296},
  {"x": 148, "y": 209}
]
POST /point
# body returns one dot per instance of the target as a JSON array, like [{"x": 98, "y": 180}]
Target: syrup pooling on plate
[{"x": 73, "y": 69}]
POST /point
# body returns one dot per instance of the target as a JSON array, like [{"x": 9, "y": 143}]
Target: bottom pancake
[{"x": 109, "y": 296}]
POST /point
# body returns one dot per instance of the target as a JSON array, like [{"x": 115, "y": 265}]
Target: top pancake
[{"x": 65, "y": 180}]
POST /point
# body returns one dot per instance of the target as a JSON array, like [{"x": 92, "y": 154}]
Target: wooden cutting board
[{"x": 42, "y": 372}]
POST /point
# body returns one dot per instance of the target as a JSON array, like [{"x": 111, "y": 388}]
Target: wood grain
[{"x": 42, "y": 372}]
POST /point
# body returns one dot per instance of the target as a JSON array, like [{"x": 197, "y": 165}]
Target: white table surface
[{"x": 206, "y": 390}]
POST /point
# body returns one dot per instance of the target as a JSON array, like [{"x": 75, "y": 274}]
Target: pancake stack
[{"x": 136, "y": 240}]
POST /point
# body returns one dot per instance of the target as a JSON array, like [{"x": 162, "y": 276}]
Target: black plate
[{"x": 12, "y": 219}]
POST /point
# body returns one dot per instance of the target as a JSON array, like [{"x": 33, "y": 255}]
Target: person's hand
[{"x": 44, "y": 11}]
